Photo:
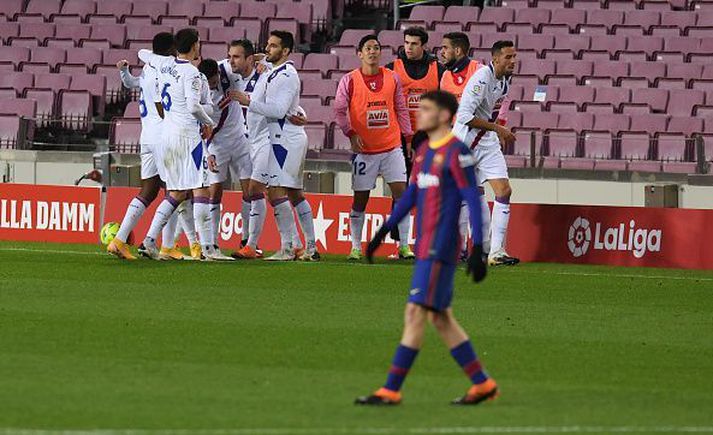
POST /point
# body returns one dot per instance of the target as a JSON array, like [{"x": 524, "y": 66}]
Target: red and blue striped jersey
[{"x": 442, "y": 178}]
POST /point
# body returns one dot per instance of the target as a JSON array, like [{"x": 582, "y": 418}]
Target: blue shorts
[{"x": 432, "y": 284}]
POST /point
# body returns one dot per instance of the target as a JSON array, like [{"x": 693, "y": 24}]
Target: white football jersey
[
  {"x": 230, "y": 121},
  {"x": 256, "y": 123},
  {"x": 277, "y": 98},
  {"x": 247, "y": 86},
  {"x": 482, "y": 97}
]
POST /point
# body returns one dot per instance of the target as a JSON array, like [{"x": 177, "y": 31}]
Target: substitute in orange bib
[
  {"x": 460, "y": 67},
  {"x": 371, "y": 110}
]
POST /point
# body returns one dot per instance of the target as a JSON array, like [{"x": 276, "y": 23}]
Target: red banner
[
  {"x": 40, "y": 213},
  {"x": 621, "y": 236}
]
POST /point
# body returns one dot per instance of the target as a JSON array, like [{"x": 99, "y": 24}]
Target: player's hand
[
  {"x": 297, "y": 119},
  {"x": 506, "y": 137},
  {"x": 260, "y": 67},
  {"x": 223, "y": 103},
  {"x": 206, "y": 131},
  {"x": 375, "y": 243},
  {"x": 122, "y": 64},
  {"x": 258, "y": 57},
  {"x": 212, "y": 164},
  {"x": 409, "y": 150},
  {"x": 476, "y": 264},
  {"x": 240, "y": 97},
  {"x": 357, "y": 143}
]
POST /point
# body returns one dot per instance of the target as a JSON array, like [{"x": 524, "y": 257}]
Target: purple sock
[
  {"x": 400, "y": 366},
  {"x": 465, "y": 356}
]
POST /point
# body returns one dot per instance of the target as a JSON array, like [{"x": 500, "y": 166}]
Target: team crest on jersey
[
  {"x": 372, "y": 85},
  {"x": 377, "y": 118},
  {"x": 438, "y": 159},
  {"x": 459, "y": 80}
]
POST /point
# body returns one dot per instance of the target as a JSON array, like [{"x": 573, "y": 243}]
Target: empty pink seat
[
  {"x": 255, "y": 9},
  {"x": 321, "y": 88},
  {"x": 577, "y": 68},
  {"x": 562, "y": 144},
  {"x": 576, "y": 94},
  {"x": 348, "y": 62},
  {"x": 352, "y": 36},
  {"x": 115, "y": 34},
  {"x": 223, "y": 34},
  {"x": 681, "y": 101},
  {"x": 614, "y": 122},
  {"x": 537, "y": 42},
  {"x": 427, "y": 13},
  {"x": 189, "y": 8},
  {"x": 615, "y": 96},
  {"x": 647, "y": 44},
  {"x": 555, "y": 29},
  {"x": 685, "y": 71},
  {"x": 75, "y": 110},
  {"x": 44, "y": 7},
  {"x": 224, "y": 10},
  {"x": 705, "y": 85},
  {"x": 9, "y": 131},
  {"x": 63, "y": 43},
  {"x": 649, "y": 122},
  {"x": 633, "y": 82},
  {"x": 125, "y": 134},
  {"x": 655, "y": 98},
  {"x": 79, "y": 7},
  {"x": 101, "y": 44},
  {"x": 53, "y": 81},
  {"x": 568, "y": 108},
  {"x": 96, "y": 86},
  {"x": 605, "y": 17},
  {"x": 541, "y": 120},
  {"x": 321, "y": 61},
  {"x": 30, "y": 43},
  {"x": 700, "y": 31},
  {"x": 17, "y": 80},
  {"x": 463, "y": 14},
  {"x": 534, "y": 16},
  {"x": 88, "y": 56},
  {"x": 37, "y": 30},
  {"x": 74, "y": 31},
  {"x": 570, "y": 17},
  {"x": 152, "y": 8},
  {"x": 685, "y": 124},
  {"x": 577, "y": 121},
  {"x": 609, "y": 43},
  {"x": 11, "y": 7},
  {"x": 671, "y": 146},
  {"x": 598, "y": 145},
  {"x": 175, "y": 21},
  {"x": 51, "y": 56},
  {"x": 14, "y": 54},
  {"x": 541, "y": 67},
  {"x": 35, "y": 68},
  {"x": 497, "y": 15},
  {"x": 645, "y": 18},
  {"x": 316, "y": 135},
  {"x": 632, "y": 56},
  {"x": 45, "y": 107},
  {"x": 531, "y": 106},
  {"x": 20, "y": 106},
  {"x": 635, "y": 146},
  {"x": 111, "y": 57},
  {"x": 601, "y": 108}
]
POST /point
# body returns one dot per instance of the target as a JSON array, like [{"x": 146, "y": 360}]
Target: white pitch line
[
  {"x": 371, "y": 430},
  {"x": 52, "y": 251}
]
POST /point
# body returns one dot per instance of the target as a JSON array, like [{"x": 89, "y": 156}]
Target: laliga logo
[{"x": 638, "y": 241}]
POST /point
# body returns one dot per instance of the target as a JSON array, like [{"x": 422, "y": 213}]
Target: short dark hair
[
  {"x": 459, "y": 39},
  {"x": 499, "y": 45},
  {"x": 365, "y": 39},
  {"x": 417, "y": 31},
  {"x": 442, "y": 99},
  {"x": 248, "y": 46},
  {"x": 286, "y": 39},
  {"x": 209, "y": 67},
  {"x": 163, "y": 43},
  {"x": 185, "y": 38}
]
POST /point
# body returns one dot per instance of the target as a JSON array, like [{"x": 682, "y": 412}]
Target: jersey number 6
[{"x": 166, "y": 97}]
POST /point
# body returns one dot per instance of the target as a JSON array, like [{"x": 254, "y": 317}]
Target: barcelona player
[{"x": 443, "y": 176}]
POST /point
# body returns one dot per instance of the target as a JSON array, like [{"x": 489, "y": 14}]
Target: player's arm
[
  {"x": 129, "y": 81},
  {"x": 342, "y": 100},
  {"x": 146, "y": 56},
  {"x": 402, "y": 112},
  {"x": 473, "y": 96},
  {"x": 462, "y": 167},
  {"x": 192, "y": 85},
  {"x": 279, "y": 97}
]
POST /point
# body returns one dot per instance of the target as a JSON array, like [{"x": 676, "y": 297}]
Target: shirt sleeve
[
  {"x": 473, "y": 96},
  {"x": 341, "y": 105},
  {"x": 192, "y": 85},
  {"x": 129, "y": 81},
  {"x": 462, "y": 168},
  {"x": 280, "y": 94},
  {"x": 402, "y": 109},
  {"x": 146, "y": 56}
]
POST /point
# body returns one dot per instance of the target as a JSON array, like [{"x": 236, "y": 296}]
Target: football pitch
[{"x": 91, "y": 343}]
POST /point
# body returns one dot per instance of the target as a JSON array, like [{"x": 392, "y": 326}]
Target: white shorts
[
  {"x": 260, "y": 160},
  {"x": 183, "y": 161},
  {"x": 286, "y": 164},
  {"x": 391, "y": 165},
  {"x": 149, "y": 169},
  {"x": 489, "y": 164},
  {"x": 233, "y": 159}
]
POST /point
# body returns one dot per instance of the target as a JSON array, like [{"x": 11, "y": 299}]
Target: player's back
[
  {"x": 178, "y": 80},
  {"x": 283, "y": 82},
  {"x": 441, "y": 170},
  {"x": 150, "y": 118}
]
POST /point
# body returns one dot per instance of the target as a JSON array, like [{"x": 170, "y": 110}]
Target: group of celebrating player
[{"x": 240, "y": 117}]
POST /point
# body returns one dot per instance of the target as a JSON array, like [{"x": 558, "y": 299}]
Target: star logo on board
[{"x": 321, "y": 225}]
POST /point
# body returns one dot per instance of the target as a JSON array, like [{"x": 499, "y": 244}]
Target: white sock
[
  {"x": 134, "y": 211},
  {"x": 168, "y": 234},
  {"x": 245, "y": 215},
  {"x": 285, "y": 222},
  {"x": 296, "y": 240},
  {"x": 485, "y": 217},
  {"x": 258, "y": 210},
  {"x": 304, "y": 214},
  {"x": 356, "y": 227},
  {"x": 501, "y": 217},
  {"x": 185, "y": 216},
  {"x": 203, "y": 221},
  {"x": 463, "y": 224},
  {"x": 163, "y": 214},
  {"x": 215, "y": 219},
  {"x": 404, "y": 230}
]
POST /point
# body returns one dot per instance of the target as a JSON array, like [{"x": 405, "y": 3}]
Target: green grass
[{"x": 87, "y": 341}]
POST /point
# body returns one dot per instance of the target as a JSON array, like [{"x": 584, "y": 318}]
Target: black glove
[
  {"x": 375, "y": 243},
  {"x": 476, "y": 264}
]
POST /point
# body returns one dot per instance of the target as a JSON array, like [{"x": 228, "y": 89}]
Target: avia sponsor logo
[
  {"x": 425, "y": 181},
  {"x": 377, "y": 118},
  {"x": 44, "y": 215},
  {"x": 621, "y": 237},
  {"x": 414, "y": 101}
]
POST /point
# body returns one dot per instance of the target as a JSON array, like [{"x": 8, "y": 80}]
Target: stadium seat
[
  {"x": 497, "y": 15},
  {"x": 576, "y": 121},
  {"x": 297, "y": 59},
  {"x": 602, "y": 108},
  {"x": 188, "y": 8},
  {"x": 252, "y": 26},
  {"x": 223, "y": 10},
  {"x": 655, "y": 98},
  {"x": 26, "y": 108},
  {"x": 79, "y": 7},
  {"x": 427, "y": 13},
  {"x": 255, "y": 9},
  {"x": 685, "y": 124},
  {"x": 85, "y": 55},
  {"x": 464, "y": 14},
  {"x": 11, "y": 7},
  {"x": 321, "y": 61},
  {"x": 614, "y": 123},
  {"x": 316, "y": 135},
  {"x": 44, "y": 7},
  {"x": 40, "y": 31},
  {"x": 9, "y": 131},
  {"x": 35, "y": 68},
  {"x": 46, "y": 100},
  {"x": 114, "y": 33},
  {"x": 30, "y": 43},
  {"x": 319, "y": 88},
  {"x": 17, "y": 80},
  {"x": 114, "y": 88},
  {"x": 635, "y": 146},
  {"x": 682, "y": 101},
  {"x": 649, "y": 122},
  {"x": 569, "y": 17},
  {"x": 351, "y": 37},
  {"x": 561, "y": 145},
  {"x": 175, "y": 21},
  {"x": 74, "y": 31},
  {"x": 288, "y": 24},
  {"x": 125, "y": 134}
]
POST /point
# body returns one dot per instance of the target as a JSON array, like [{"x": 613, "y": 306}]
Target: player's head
[
  {"x": 209, "y": 68},
  {"x": 504, "y": 58},
  {"x": 240, "y": 56},
  {"x": 188, "y": 43},
  {"x": 164, "y": 44},
  {"x": 369, "y": 50},
  {"x": 415, "y": 40},
  {"x": 455, "y": 46},
  {"x": 279, "y": 46},
  {"x": 436, "y": 110}
]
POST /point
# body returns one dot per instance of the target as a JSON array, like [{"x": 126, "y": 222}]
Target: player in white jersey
[
  {"x": 183, "y": 157},
  {"x": 477, "y": 125},
  {"x": 275, "y": 98},
  {"x": 228, "y": 150},
  {"x": 151, "y": 113}
]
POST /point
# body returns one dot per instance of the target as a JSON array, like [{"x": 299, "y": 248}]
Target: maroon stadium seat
[
  {"x": 37, "y": 30},
  {"x": 671, "y": 146},
  {"x": 621, "y": 5},
  {"x": 85, "y": 55},
  {"x": 681, "y": 101},
  {"x": 685, "y": 124},
  {"x": 79, "y": 7},
  {"x": 223, "y": 34},
  {"x": 137, "y": 20},
  {"x": 111, "y": 57},
  {"x": 635, "y": 108},
  {"x": 9, "y": 131},
  {"x": 114, "y": 89},
  {"x": 103, "y": 19},
  {"x": 53, "y": 81},
  {"x": 224, "y": 10},
  {"x": 11, "y": 7},
  {"x": 605, "y": 17},
  {"x": 497, "y": 15},
  {"x": 175, "y": 21},
  {"x": 541, "y": 67},
  {"x": 577, "y": 68},
  {"x": 463, "y": 14},
  {"x": 152, "y": 8},
  {"x": 252, "y": 26},
  {"x": 352, "y": 36},
  {"x": 19, "y": 106},
  {"x": 321, "y": 88},
  {"x": 561, "y": 144},
  {"x": 705, "y": 85},
  {"x": 599, "y": 108},
  {"x": 17, "y": 80},
  {"x": 30, "y": 18},
  {"x": 541, "y": 120},
  {"x": 112, "y": 7},
  {"x": 633, "y": 82},
  {"x": 132, "y": 110},
  {"x": 537, "y": 42},
  {"x": 101, "y": 44},
  {"x": 96, "y": 86},
  {"x": 614, "y": 123},
  {"x": 655, "y": 98},
  {"x": 598, "y": 145},
  {"x": 30, "y": 43},
  {"x": 321, "y": 61},
  {"x": 666, "y": 31},
  {"x": 189, "y": 8},
  {"x": 35, "y": 67},
  {"x": 125, "y": 134},
  {"x": 46, "y": 100},
  {"x": 635, "y": 146},
  {"x": 297, "y": 59},
  {"x": 428, "y": 13},
  {"x": 647, "y": 44},
  {"x": 255, "y": 9},
  {"x": 649, "y": 122},
  {"x": 74, "y": 31},
  {"x": 570, "y": 17},
  {"x": 44, "y": 7},
  {"x": 14, "y": 54},
  {"x": 523, "y": 141},
  {"x": 685, "y": 71},
  {"x": 316, "y": 135},
  {"x": 555, "y": 29},
  {"x": 643, "y": 18},
  {"x": 51, "y": 56},
  {"x": 577, "y": 121},
  {"x": 64, "y": 43},
  {"x": 114, "y": 33},
  {"x": 75, "y": 110},
  {"x": 576, "y": 94}
]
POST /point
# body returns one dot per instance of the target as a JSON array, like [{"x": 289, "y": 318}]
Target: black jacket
[{"x": 417, "y": 69}]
